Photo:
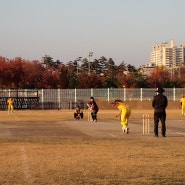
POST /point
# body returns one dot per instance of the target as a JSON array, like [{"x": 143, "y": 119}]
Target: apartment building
[{"x": 167, "y": 54}]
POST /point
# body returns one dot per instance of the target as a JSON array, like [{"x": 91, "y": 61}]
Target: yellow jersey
[
  {"x": 182, "y": 101},
  {"x": 10, "y": 101}
]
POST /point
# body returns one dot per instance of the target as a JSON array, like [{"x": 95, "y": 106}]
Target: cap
[
  {"x": 160, "y": 90},
  {"x": 116, "y": 101}
]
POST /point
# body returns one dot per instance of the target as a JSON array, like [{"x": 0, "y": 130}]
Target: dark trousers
[
  {"x": 94, "y": 115},
  {"x": 160, "y": 116}
]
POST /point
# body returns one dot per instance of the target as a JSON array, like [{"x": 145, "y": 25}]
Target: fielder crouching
[{"x": 78, "y": 113}]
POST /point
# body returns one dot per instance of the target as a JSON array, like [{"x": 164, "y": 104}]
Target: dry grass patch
[
  {"x": 34, "y": 153},
  {"x": 143, "y": 160}
]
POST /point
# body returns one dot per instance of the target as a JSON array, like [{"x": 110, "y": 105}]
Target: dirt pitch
[{"x": 50, "y": 148}]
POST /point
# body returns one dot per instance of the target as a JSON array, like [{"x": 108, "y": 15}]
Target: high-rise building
[{"x": 167, "y": 54}]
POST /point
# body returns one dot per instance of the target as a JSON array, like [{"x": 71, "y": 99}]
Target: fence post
[
  {"x": 75, "y": 95},
  {"x": 42, "y": 98},
  {"x": 9, "y": 93},
  {"x": 91, "y": 92},
  {"x": 174, "y": 94},
  {"x": 59, "y": 99},
  {"x": 124, "y": 90},
  {"x": 141, "y": 94},
  {"x": 108, "y": 98}
]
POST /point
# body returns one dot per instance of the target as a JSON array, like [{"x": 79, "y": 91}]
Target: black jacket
[{"x": 159, "y": 103}]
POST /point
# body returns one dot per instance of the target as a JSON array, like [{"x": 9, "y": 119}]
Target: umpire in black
[{"x": 159, "y": 103}]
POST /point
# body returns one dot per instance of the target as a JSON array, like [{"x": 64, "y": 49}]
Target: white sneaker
[{"x": 127, "y": 130}]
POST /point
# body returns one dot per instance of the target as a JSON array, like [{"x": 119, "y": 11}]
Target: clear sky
[{"x": 124, "y": 30}]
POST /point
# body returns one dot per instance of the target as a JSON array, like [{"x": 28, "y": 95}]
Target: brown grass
[{"x": 137, "y": 159}]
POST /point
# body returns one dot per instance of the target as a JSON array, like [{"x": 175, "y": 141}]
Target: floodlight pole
[
  {"x": 78, "y": 59},
  {"x": 89, "y": 63}
]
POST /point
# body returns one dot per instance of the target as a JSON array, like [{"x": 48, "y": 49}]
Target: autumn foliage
[{"x": 104, "y": 73}]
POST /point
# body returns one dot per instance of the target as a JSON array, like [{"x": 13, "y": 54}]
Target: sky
[{"x": 124, "y": 30}]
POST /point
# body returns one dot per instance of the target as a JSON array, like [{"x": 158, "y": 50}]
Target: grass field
[{"x": 50, "y": 148}]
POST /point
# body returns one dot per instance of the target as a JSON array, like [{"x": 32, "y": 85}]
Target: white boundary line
[
  {"x": 180, "y": 133},
  {"x": 113, "y": 135},
  {"x": 25, "y": 166}
]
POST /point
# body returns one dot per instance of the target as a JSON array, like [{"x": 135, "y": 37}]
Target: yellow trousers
[
  {"x": 183, "y": 110},
  {"x": 10, "y": 108},
  {"x": 125, "y": 114}
]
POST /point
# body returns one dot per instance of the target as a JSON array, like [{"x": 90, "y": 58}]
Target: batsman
[
  {"x": 93, "y": 107},
  {"x": 124, "y": 114}
]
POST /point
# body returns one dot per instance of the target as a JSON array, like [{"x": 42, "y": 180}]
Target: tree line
[{"x": 80, "y": 73}]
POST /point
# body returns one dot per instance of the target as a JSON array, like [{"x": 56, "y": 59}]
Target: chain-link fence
[{"x": 68, "y": 98}]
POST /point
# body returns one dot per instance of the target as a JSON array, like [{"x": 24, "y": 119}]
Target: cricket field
[{"x": 49, "y": 147}]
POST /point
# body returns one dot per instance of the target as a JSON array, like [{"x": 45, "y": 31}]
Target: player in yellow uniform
[
  {"x": 182, "y": 102},
  {"x": 10, "y": 103},
  {"x": 124, "y": 113}
]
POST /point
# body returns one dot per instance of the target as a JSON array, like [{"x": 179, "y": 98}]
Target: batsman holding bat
[
  {"x": 93, "y": 107},
  {"x": 124, "y": 114}
]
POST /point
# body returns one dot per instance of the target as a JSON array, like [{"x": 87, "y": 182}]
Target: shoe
[
  {"x": 155, "y": 135},
  {"x": 123, "y": 130},
  {"x": 163, "y": 134},
  {"x": 127, "y": 130}
]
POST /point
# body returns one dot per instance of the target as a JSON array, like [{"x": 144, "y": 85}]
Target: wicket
[
  {"x": 146, "y": 124},
  {"x": 89, "y": 116}
]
